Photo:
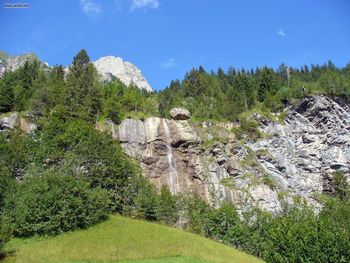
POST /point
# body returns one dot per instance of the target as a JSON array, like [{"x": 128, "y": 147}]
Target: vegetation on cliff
[
  {"x": 67, "y": 175},
  {"x": 225, "y": 95}
]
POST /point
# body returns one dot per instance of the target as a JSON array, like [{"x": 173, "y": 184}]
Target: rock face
[
  {"x": 114, "y": 67},
  {"x": 294, "y": 159},
  {"x": 13, "y": 120},
  {"x": 164, "y": 148},
  {"x": 180, "y": 114},
  {"x": 313, "y": 143}
]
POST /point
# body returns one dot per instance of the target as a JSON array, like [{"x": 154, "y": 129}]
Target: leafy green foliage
[
  {"x": 53, "y": 204},
  {"x": 168, "y": 207},
  {"x": 224, "y": 96},
  {"x": 224, "y": 224},
  {"x": 295, "y": 235},
  {"x": 5, "y": 233},
  {"x": 83, "y": 99},
  {"x": 77, "y": 149},
  {"x": 247, "y": 128},
  {"x": 146, "y": 202},
  {"x": 14, "y": 155},
  {"x": 16, "y": 88},
  {"x": 195, "y": 212},
  {"x": 341, "y": 186},
  {"x": 120, "y": 102}
]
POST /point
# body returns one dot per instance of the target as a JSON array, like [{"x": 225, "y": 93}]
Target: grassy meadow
[{"x": 121, "y": 239}]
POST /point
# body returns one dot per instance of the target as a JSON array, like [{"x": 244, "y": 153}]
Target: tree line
[
  {"x": 67, "y": 175},
  {"x": 225, "y": 95}
]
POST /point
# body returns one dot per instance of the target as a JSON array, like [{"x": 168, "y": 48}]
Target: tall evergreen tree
[
  {"x": 82, "y": 96},
  {"x": 6, "y": 95},
  {"x": 267, "y": 83}
]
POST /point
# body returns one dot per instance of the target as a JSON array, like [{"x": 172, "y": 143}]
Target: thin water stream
[{"x": 173, "y": 175}]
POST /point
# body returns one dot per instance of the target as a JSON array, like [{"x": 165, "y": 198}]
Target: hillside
[
  {"x": 257, "y": 159},
  {"x": 121, "y": 238}
]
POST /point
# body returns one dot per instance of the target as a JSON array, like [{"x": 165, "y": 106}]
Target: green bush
[
  {"x": 340, "y": 185},
  {"x": 297, "y": 234},
  {"x": 248, "y": 128},
  {"x": 52, "y": 204},
  {"x": 5, "y": 233},
  {"x": 195, "y": 213},
  {"x": 167, "y": 207},
  {"x": 224, "y": 224},
  {"x": 77, "y": 149},
  {"x": 146, "y": 202},
  {"x": 300, "y": 236}
]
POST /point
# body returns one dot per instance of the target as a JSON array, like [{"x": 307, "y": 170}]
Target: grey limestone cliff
[{"x": 295, "y": 159}]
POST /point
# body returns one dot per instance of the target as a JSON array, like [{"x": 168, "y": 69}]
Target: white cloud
[
  {"x": 143, "y": 4},
  {"x": 90, "y": 7},
  {"x": 169, "y": 63},
  {"x": 281, "y": 33}
]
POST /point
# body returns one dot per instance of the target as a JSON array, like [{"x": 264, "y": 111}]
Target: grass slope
[{"x": 126, "y": 240}]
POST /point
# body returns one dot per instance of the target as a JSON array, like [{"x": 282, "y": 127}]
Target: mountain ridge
[{"x": 109, "y": 67}]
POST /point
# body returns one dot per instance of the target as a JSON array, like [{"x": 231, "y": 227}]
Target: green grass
[
  {"x": 122, "y": 239},
  {"x": 168, "y": 260}
]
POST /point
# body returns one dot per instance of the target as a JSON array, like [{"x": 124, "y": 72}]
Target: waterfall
[{"x": 173, "y": 176}]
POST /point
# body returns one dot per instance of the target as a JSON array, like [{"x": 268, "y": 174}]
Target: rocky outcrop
[
  {"x": 292, "y": 160},
  {"x": 180, "y": 114},
  {"x": 165, "y": 150},
  {"x": 12, "y": 121},
  {"x": 114, "y": 67},
  {"x": 313, "y": 143}
]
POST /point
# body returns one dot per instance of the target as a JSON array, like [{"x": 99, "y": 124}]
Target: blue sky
[{"x": 166, "y": 38}]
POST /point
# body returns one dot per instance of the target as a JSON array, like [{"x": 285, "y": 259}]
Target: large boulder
[
  {"x": 180, "y": 114},
  {"x": 9, "y": 122}
]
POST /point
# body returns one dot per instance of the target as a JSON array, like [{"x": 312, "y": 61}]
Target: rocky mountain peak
[
  {"x": 108, "y": 67},
  {"x": 114, "y": 67},
  {"x": 11, "y": 63}
]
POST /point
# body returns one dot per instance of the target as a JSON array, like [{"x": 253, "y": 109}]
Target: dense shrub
[
  {"x": 5, "y": 233},
  {"x": 248, "y": 128},
  {"x": 146, "y": 202},
  {"x": 295, "y": 235},
  {"x": 340, "y": 186},
  {"x": 14, "y": 154},
  {"x": 168, "y": 207},
  {"x": 52, "y": 204},
  {"x": 195, "y": 213},
  {"x": 299, "y": 235},
  {"x": 224, "y": 224},
  {"x": 77, "y": 149}
]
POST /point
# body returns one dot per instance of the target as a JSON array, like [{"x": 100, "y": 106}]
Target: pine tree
[
  {"x": 83, "y": 94},
  {"x": 267, "y": 84},
  {"x": 6, "y": 95}
]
